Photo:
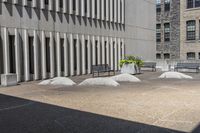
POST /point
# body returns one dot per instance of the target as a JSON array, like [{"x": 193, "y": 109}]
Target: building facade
[
  {"x": 190, "y": 33},
  {"x": 48, "y": 38},
  {"x": 168, "y": 29}
]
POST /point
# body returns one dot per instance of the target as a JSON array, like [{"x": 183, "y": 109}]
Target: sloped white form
[
  {"x": 58, "y": 81},
  {"x": 99, "y": 81},
  {"x": 125, "y": 78},
  {"x": 174, "y": 75}
]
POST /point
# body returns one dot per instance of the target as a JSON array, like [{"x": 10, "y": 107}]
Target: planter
[{"x": 130, "y": 69}]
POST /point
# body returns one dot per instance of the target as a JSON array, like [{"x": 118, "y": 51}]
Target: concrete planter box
[
  {"x": 130, "y": 69},
  {"x": 8, "y": 80}
]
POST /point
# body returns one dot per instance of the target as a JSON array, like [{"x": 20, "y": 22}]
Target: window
[
  {"x": 191, "y": 30},
  {"x": 158, "y": 6},
  {"x": 167, "y": 31},
  {"x": 158, "y": 33},
  {"x": 158, "y": 56},
  {"x": 46, "y": 2},
  {"x": 199, "y": 55},
  {"x": 86, "y": 6},
  {"x": 167, "y": 5},
  {"x": 191, "y": 56},
  {"x": 74, "y": 5},
  {"x": 61, "y": 3},
  {"x": 190, "y": 3},
  {"x": 167, "y": 56},
  {"x": 197, "y": 3},
  {"x": 193, "y": 3}
]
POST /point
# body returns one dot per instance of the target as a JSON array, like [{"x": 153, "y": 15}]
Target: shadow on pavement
[{"x": 24, "y": 116}]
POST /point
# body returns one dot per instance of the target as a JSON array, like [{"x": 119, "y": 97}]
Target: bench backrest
[
  {"x": 149, "y": 64},
  {"x": 103, "y": 67},
  {"x": 188, "y": 64}
]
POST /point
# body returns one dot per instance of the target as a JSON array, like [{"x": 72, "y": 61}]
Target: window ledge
[
  {"x": 191, "y": 9},
  {"x": 190, "y": 41}
]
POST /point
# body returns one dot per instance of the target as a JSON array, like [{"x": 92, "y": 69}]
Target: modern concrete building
[
  {"x": 41, "y": 39},
  {"x": 168, "y": 29}
]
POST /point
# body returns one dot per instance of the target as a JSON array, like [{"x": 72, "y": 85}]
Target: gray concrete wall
[{"x": 140, "y": 28}]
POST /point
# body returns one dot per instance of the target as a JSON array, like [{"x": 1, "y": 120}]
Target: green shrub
[{"x": 132, "y": 60}]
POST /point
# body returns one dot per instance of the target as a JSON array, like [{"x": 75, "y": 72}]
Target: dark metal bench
[
  {"x": 151, "y": 65},
  {"x": 101, "y": 69},
  {"x": 187, "y": 66}
]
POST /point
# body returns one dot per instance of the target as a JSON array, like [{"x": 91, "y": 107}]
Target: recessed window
[
  {"x": 193, "y": 3},
  {"x": 167, "y": 5},
  {"x": 167, "y": 31},
  {"x": 158, "y": 32},
  {"x": 166, "y": 56},
  {"x": 191, "y": 55},
  {"x": 191, "y": 25},
  {"x": 158, "y": 6},
  {"x": 158, "y": 56}
]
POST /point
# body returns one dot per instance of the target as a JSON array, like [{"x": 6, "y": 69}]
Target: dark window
[
  {"x": 190, "y": 4},
  {"x": 74, "y": 5},
  {"x": 158, "y": 33},
  {"x": 167, "y": 31},
  {"x": 95, "y": 8},
  {"x": 61, "y": 3},
  {"x": 191, "y": 56},
  {"x": 197, "y": 3},
  {"x": 85, "y": 6},
  {"x": 167, "y": 5},
  {"x": 158, "y": 56},
  {"x": 167, "y": 56},
  {"x": 191, "y": 30},
  {"x": 158, "y": 6},
  {"x": 199, "y": 55}
]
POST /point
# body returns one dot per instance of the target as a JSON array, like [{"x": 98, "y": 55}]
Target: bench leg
[{"x": 98, "y": 74}]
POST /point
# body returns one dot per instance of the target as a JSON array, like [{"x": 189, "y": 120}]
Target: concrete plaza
[{"x": 152, "y": 106}]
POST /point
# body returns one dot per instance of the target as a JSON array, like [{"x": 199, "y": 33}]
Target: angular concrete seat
[{"x": 9, "y": 79}]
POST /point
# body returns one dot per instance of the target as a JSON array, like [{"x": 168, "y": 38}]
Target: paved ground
[{"x": 152, "y": 106}]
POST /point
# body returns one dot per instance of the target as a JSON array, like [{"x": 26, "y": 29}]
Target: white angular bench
[{"x": 8, "y": 79}]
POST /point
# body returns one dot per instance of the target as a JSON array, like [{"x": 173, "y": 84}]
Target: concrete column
[
  {"x": 51, "y": 5},
  {"x": 42, "y": 4},
  {"x": 52, "y": 56},
  {"x": 6, "y": 52},
  {"x": 93, "y": 9},
  {"x": 26, "y": 57},
  {"x": 123, "y": 12},
  {"x": 77, "y": 7},
  {"x": 78, "y": 63},
  {"x": 89, "y": 55},
  {"x": 93, "y": 51},
  {"x": 58, "y": 52},
  {"x": 116, "y": 57},
  {"x": 36, "y": 56},
  {"x": 65, "y": 6},
  {"x": 123, "y": 49},
  {"x": 98, "y": 9},
  {"x": 34, "y": 3},
  {"x": 57, "y": 5},
  {"x": 111, "y": 10},
  {"x": 98, "y": 50},
  {"x": 115, "y": 11},
  {"x": 119, "y": 51},
  {"x": 107, "y": 51},
  {"x": 83, "y": 54},
  {"x": 82, "y": 8},
  {"x": 44, "y": 64},
  {"x": 103, "y": 50},
  {"x": 107, "y": 10},
  {"x": 119, "y": 11},
  {"x": 15, "y": 2},
  {"x": 102, "y": 10},
  {"x": 66, "y": 58},
  {"x": 88, "y": 8},
  {"x": 25, "y": 3},
  {"x": 111, "y": 54},
  {"x": 17, "y": 56},
  {"x": 71, "y": 6},
  {"x": 71, "y": 55}
]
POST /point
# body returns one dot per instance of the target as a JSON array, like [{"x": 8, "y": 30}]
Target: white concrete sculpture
[
  {"x": 125, "y": 78},
  {"x": 99, "y": 81},
  {"x": 174, "y": 75},
  {"x": 58, "y": 81}
]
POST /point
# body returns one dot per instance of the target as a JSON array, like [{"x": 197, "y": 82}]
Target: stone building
[
  {"x": 168, "y": 29},
  {"x": 189, "y": 29},
  {"x": 42, "y": 39}
]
